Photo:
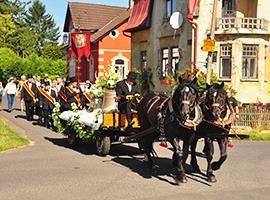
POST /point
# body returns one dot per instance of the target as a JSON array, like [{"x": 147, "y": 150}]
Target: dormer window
[{"x": 114, "y": 34}]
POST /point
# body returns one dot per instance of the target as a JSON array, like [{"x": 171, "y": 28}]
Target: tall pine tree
[{"x": 42, "y": 25}]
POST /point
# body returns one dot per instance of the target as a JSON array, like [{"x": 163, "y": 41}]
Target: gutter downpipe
[{"x": 195, "y": 43}]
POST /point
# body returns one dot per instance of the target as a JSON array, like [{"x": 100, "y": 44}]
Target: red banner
[
  {"x": 192, "y": 6},
  {"x": 80, "y": 44}
]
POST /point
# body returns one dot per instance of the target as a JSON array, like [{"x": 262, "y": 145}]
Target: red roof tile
[
  {"x": 91, "y": 16},
  {"x": 114, "y": 23}
]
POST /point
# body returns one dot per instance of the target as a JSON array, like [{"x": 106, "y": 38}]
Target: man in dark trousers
[
  {"x": 39, "y": 110},
  {"x": 49, "y": 98},
  {"x": 73, "y": 94},
  {"x": 86, "y": 100},
  {"x": 29, "y": 94},
  {"x": 125, "y": 91},
  {"x": 62, "y": 97}
]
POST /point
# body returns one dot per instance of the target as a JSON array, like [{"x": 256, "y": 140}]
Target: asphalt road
[{"x": 47, "y": 169}]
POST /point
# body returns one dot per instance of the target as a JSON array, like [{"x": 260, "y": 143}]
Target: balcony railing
[{"x": 226, "y": 23}]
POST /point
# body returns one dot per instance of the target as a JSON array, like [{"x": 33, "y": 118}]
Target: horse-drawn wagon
[{"x": 97, "y": 127}]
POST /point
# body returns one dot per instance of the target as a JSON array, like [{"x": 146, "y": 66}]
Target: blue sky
[{"x": 58, "y": 8}]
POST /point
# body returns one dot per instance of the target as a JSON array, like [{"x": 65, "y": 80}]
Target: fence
[{"x": 254, "y": 116}]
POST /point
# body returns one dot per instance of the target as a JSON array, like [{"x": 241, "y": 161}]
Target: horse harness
[
  {"x": 206, "y": 110},
  {"x": 165, "y": 108}
]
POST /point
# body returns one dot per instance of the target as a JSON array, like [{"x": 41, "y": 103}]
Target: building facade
[
  {"x": 110, "y": 47},
  {"x": 241, "y": 57}
]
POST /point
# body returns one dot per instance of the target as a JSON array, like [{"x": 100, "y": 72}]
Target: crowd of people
[{"x": 38, "y": 96}]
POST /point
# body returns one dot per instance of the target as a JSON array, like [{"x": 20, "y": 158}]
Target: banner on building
[{"x": 80, "y": 44}]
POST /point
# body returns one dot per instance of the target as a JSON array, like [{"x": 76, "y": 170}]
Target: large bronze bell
[{"x": 109, "y": 105}]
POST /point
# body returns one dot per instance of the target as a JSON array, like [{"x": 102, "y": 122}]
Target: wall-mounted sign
[{"x": 209, "y": 45}]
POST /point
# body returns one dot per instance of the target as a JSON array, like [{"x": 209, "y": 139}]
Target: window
[
  {"x": 175, "y": 60},
  {"x": 72, "y": 67},
  {"x": 225, "y": 61},
  {"x": 250, "y": 62},
  {"x": 170, "y": 7},
  {"x": 114, "y": 34},
  {"x": 120, "y": 67},
  {"x": 143, "y": 60},
  {"x": 91, "y": 69},
  {"x": 228, "y": 8},
  {"x": 165, "y": 62}
]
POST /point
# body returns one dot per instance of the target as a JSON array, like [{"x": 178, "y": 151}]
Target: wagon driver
[{"x": 126, "y": 90}]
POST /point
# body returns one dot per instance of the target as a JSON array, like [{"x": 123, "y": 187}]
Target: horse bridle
[
  {"x": 215, "y": 105},
  {"x": 183, "y": 102}
]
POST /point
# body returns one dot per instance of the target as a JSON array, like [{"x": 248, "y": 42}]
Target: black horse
[
  {"x": 173, "y": 119},
  {"x": 218, "y": 116}
]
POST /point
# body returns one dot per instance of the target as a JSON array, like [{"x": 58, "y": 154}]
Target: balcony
[{"x": 245, "y": 25}]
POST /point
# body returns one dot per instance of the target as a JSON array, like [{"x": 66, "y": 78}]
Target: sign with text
[{"x": 209, "y": 45}]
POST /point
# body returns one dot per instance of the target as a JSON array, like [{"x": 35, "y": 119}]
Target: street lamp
[{"x": 65, "y": 38}]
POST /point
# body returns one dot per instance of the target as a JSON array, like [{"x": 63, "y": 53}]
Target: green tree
[
  {"x": 42, "y": 25},
  {"x": 54, "y": 52},
  {"x": 23, "y": 41},
  {"x": 7, "y": 28},
  {"x": 37, "y": 65},
  {"x": 10, "y": 64},
  {"x": 17, "y": 36}
]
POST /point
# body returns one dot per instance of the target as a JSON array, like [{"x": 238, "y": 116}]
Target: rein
[
  {"x": 217, "y": 125},
  {"x": 220, "y": 124},
  {"x": 169, "y": 101}
]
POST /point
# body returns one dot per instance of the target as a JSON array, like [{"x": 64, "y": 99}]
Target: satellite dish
[{"x": 176, "y": 20}]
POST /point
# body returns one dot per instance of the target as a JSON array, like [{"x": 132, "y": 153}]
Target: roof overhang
[{"x": 140, "y": 17}]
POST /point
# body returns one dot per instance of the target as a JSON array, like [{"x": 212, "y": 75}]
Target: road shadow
[
  {"x": 165, "y": 172},
  {"x": 85, "y": 148},
  {"x": 198, "y": 154},
  {"x": 21, "y": 116},
  {"x": 123, "y": 150}
]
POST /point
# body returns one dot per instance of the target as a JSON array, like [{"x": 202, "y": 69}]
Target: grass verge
[
  {"x": 9, "y": 139},
  {"x": 257, "y": 135}
]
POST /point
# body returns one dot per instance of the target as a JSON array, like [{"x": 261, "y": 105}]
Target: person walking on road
[
  {"x": 10, "y": 90},
  {"x": 29, "y": 94},
  {"x": 20, "y": 86},
  {"x": 1, "y": 94}
]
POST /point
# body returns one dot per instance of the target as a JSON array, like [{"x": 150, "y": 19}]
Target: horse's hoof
[
  {"x": 215, "y": 166},
  {"x": 180, "y": 179},
  {"x": 211, "y": 178},
  {"x": 184, "y": 179}
]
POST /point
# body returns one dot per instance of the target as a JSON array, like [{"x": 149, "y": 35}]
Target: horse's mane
[{"x": 218, "y": 87}]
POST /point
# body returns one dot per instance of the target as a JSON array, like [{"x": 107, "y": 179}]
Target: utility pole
[{"x": 212, "y": 37}]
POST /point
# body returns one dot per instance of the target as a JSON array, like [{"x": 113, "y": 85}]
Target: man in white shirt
[{"x": 10, "y": 90}]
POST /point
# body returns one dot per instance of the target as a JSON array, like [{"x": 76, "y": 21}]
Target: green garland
[
  {"x": 80, "y": 130},
  {"x": 55, "y": 116}
]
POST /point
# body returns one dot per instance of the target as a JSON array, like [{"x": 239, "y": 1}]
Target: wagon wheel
[
  {"x": 72, "y": 140},
  {"x": 103, "y": 145}
]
